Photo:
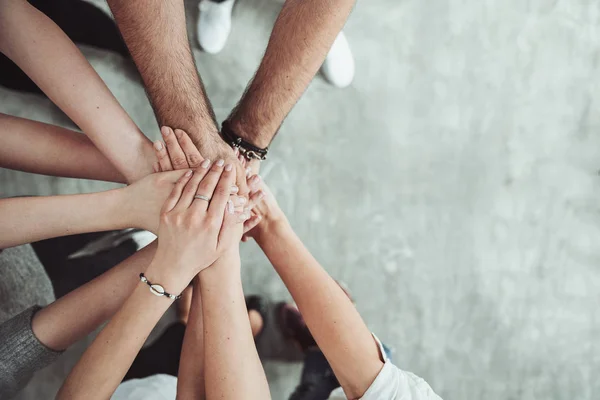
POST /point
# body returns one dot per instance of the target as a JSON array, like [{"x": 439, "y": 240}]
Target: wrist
[
  {"x": 119, "y": 210},
  {"x": 271, "y": 226},
  {"x": 165, "y": 273},
  {"x": 250, "y": 134}
]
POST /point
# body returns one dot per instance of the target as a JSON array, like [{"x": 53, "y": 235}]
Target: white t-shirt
[{"x": 392, "y": 383}]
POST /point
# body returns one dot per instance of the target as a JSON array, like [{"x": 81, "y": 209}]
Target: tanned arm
[
  {"x": 301, "y": 38},
  {"x": 155, "y": 33}
]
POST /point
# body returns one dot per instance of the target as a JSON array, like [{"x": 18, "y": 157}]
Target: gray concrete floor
[{"x": 454, "y": 187}]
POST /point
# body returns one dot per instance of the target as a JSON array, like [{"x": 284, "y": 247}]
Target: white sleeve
[{"x": 392, "y": 383}]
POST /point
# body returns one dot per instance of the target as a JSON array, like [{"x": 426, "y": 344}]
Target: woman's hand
[
  {"x": 265, "y": 211},
  {"x": 194, "y": 231},
  {"x": 143, "y": 200},
  {"x": 179, "y": 152}
]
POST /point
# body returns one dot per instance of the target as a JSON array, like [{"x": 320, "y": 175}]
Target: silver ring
[{"x": 202, "y": 197}]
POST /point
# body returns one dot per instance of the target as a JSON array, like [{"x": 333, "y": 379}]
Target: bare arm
[
  {"x": 301, "y": 38},
  {"x": 193, "y": 234},
  {"x": 155, "y": 33},
  {"x": 330, "y": 316},
  {"x": 28, "y": 219},
  {"x": 56, "y": 65},
  {"x": 232, "y": 367},
  {"x": 190, "y": 382},
  {"x": 41, "y": 148},
  {"x": 62, "y": 323}
]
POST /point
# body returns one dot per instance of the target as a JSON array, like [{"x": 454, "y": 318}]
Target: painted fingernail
[
  {"x": 256, "y": 179},
  {"x": 189, "y": 173},
  {"x": 248, "y": 170},
  {"x": 234, "y": 189},
  {"x": 230, "y": 207},
  {"x": 242, "y": 200},
  {"x": 261, "y": 194},
  {"x": 228, "y": 167},
  {"x": 220, "y": 163},
  {"x": 158, "y": 145},
  {"x": 205, "y": 163},
  {"x": 165, "y": 131}
]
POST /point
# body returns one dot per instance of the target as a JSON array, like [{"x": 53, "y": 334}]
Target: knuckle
[
  {"x": 222, "y": 190},
  {"x": 194, "y": 160},
  {"x": 179, "y": 161}
]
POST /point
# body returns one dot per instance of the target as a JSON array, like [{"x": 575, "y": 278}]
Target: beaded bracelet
[{"x": 157, "y": 289}]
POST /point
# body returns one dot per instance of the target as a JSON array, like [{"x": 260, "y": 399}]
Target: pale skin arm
[
  {"x": 61, "y": 324},
  {"x": 55, "y": 64},
  {"x": 41, "y": 148},
  {"x": 29, "y": 219},
  {"x": 232, "y": 368},
  {"x": 191, "y": 383},
  {"x": 329, "y": 314},
  {"x": 193, "y": 234}
]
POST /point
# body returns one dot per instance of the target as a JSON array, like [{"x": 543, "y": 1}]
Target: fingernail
[
  {"x": 158, "y": 145},
  {"x": 236, "y": 151},
  {"x": 234, "y": 189},
  {"x": 248, "y": 170},
  {"x": 228, "y": 167},
  {"x": 261, "y": 194},
  {"x": 246, "y": 210},
  {"x": 230, "y": 207},
  {"x": 205, "y": 163},
  {"x": 220, "y": 163},
  {"x": 165, "y": 131},
  {"x": 256, "y": 178},
  {"x": 189, "y": 173},
  {"x": 242, "y": 200}
]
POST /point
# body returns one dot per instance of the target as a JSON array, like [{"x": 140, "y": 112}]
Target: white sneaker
[
  {"x": 214, "y": 24},
  {"x": 338, "y": 67}
]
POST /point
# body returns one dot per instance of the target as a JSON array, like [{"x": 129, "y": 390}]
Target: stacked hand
[
  {"x": 198, "y": 223},
  {"x": 179, "y": 152}
]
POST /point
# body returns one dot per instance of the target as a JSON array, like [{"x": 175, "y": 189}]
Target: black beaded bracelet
[
  {"x": 248, "y": 150},
  {"x": 157, "y": 289}
]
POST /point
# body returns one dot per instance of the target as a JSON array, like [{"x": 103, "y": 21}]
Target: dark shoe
[{"x": 318, "y": 380}]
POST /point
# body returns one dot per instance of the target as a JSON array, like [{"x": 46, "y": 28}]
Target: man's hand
[{"x": 179, "y": 152}]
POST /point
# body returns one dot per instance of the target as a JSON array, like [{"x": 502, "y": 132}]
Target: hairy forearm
[
  {"x": 41, "y": 148},
  {"x": 190, "y": 382},
  {"x": 232, "y": 366},
  {"x": 155, "y": 33},
  {"x": 77, "y": 314},
  {"x": 56, "y": 65},
  {"x": 104, "y": 364},
  {"x": 331, "y": 317},
  {"x": 29, "y": 219},
  {"x": 301, "y": 38}
]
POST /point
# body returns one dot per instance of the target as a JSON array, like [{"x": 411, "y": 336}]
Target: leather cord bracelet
[
  {"x": 157, "y": 289},
  {"x": 248, "y": 150}
]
